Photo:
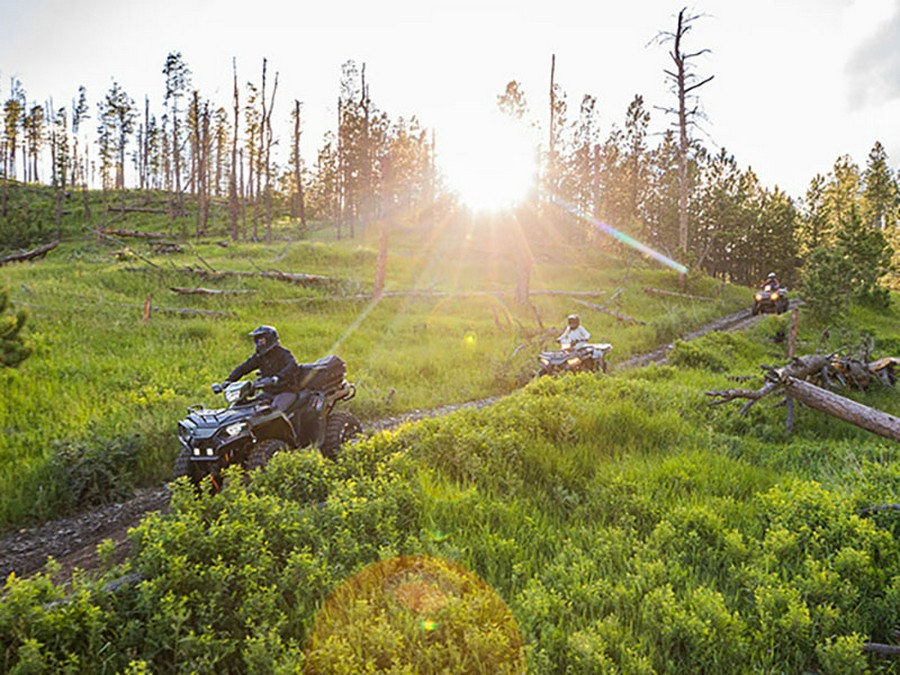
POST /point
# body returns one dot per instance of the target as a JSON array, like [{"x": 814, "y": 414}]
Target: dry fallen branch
[
  {"x": 134, "y": 233},
  {"x": 208, "y": 291},
  {"x": 300, "y": 279},
  {"x": 194, "y": 312},
  {"x": 880, "y": 649},
  {"x": 878, "y": 508},
  {"x": 34, "y": 253},
  {"x": 429, "y": 294}
]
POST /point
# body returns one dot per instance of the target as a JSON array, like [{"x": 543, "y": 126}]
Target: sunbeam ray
[{"x": 621, "y": 236}]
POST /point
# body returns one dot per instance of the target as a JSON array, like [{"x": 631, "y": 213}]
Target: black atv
[
  {"x": 770, "y": 300},
  {"x": 250, "y": 431}
]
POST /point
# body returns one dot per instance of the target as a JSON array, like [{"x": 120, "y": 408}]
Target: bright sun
[{"x": 494, "y": 167}]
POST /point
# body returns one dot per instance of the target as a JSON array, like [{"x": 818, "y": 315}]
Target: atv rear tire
[
  {"x": 263, "y": 452},
  {"x": 340, "y": 428}
]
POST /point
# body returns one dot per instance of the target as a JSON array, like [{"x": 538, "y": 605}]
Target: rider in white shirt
[{"x": 575, "y": 333}]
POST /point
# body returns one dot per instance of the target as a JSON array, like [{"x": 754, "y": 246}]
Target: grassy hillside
[
  {"x": 589, "y": 524},
  {"x": 584, "y": 524},
  {"x": 105, "y": 388}
]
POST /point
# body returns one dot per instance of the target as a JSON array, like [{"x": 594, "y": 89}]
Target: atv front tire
[
  {"x": 263, "y": 452},
  {"x": 182, "y": 465},
  {"x": 185, "y": 467},
  {"x": 340, "y": 428}
]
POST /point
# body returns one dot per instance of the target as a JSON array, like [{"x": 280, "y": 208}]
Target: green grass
[
  {"x": 101, "y": 373},
  {"x": 604, "y": 523}
]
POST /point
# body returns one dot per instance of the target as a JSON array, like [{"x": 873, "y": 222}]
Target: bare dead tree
[
  {"x": 366, "y": 156},
  {"x": 297, "y": 206},
  {"x": 232, "y": 182},
  {"x": 339, "y": 197},
  {"x": 267, "y": 128},
  {"x": 551, "y": 142},
  {"x": 684, "y": 84}
]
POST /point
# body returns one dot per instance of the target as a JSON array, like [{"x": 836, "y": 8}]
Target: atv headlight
[
  {"x": 234, "y": 429},
  {"x": 573, "y": 361},
  {"x": 196, "y": 452},
  {"x": 758, "y": 296},
  {"x": 232, "y": 395},
  {"x": 544, "y": 361},
  {"x": 774, "y": 296}
]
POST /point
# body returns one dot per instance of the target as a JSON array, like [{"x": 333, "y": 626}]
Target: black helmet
[
  {"x": 573, "y": 321},
  {"x": 265, "y": 338}
]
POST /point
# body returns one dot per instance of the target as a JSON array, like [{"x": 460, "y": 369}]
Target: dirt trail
[{"x": 72, "y": 541}]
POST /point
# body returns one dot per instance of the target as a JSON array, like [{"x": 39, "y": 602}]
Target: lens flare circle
[{"x": 412, "y": 612}]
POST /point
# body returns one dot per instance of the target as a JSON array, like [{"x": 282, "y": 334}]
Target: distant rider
[
  {"x": 575, "y": 333},
  {"x": 771, "y": 281},
  {"x": 278, "y": 369}
]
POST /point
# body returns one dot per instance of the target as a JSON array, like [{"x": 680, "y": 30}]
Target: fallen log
[
  {"x": 134, "y": 233},
  {"x": 294, "y": 278},
  {"x": 208, "y": 291},
  {"x": 143, "y": 209},
  {"x": 867, "y": 418},
  {"x": 194, "y": 312},
  {"x": 792, "y": 379},
  {"x": 38, "y": 252},
  {"x": 429, "y": 294},
  {"x": 881, "y": 649},
  {"x": 649, "y": 290}
]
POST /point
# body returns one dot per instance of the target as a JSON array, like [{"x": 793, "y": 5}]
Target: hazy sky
[{"x": 796, "y": 83}]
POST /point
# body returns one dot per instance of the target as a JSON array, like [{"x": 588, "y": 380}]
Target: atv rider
[
  {"x": 575, "y": 334},
  {"x": 278, "y": 369},
  {"x": 771, "y": 281}
]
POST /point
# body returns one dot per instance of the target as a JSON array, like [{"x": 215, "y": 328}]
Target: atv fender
[{"x": 275, "y": 426}]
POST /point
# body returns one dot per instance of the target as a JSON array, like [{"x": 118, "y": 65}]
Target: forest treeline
[{"x": 672, "y": 192}]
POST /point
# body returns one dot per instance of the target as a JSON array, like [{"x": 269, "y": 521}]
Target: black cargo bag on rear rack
[{"x": 325, "y": 374}]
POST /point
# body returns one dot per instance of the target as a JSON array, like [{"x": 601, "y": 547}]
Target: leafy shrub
[
  {"x": 415, "y": 614},
  {"x": 13, "y": 349},
  {"x": 96, "y": 472}
]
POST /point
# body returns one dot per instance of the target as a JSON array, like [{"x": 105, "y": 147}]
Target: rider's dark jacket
[{"x": 278, "y": 362}]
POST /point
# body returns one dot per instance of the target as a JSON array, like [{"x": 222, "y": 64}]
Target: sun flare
[{"x": 494, "y": 167}]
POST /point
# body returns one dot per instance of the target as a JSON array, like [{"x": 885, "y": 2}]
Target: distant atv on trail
[
  {"x": 250, "y": 431},
  {"x": 770, "y": 300},
  {"x": 585, "y": 357}
]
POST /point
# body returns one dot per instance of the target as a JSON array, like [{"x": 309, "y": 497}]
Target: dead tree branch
[
  {"x": 34, "y": 253},
  {"x": 208, "y": 291},
  {"x": 135, "y": 233},
  {"x": 794, "y": 378}
]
